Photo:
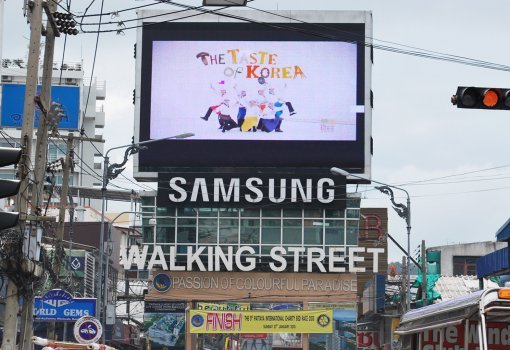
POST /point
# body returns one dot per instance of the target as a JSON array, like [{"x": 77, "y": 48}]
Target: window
[
  {"x": 207, "y": 231},
  {"x": 7, "y": 176},
  {"x": 259, "y": 228},
  {"x": 56, "y": 150},
  {"x": 10, "y": 144},
  {"x": 59, "y": 179},
  {"x": 250, "y": 231},
  {"x": 464, "y": 265},
  {"x": 292, "y": 232}
]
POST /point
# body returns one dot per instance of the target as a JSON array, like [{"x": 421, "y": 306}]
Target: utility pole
[
  {"x": 41, "y": 151},
  {"x": 404, "y": 284},
  {"x": 11, "y": 304},
  {"x": 57, "y": 249},
  {"x": 64, "y": 194},
  {"x": 424, "y": 273},
  {"x": 68, "y": 165},
  {"x": 41, "y": 148}
]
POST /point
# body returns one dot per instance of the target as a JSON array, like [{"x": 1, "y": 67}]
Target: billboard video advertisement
[
  {"x": 254, "y": 95},
  {"x": 13, "y": 96}
]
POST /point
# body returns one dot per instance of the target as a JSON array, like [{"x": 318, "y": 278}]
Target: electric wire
[
  {"x": 423, "y": 53},
  {"x": 237, "y": 17},
  {"x": 93, "y": 61},
  {"x": 241, "y": 18}
]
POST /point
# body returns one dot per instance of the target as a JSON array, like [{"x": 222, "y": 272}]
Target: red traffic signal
[{"x": 481, "y": 98}]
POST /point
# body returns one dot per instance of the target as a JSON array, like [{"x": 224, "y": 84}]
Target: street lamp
[
  {"x": 110, "y": 172},
  {"x": 403, "y": 210}
]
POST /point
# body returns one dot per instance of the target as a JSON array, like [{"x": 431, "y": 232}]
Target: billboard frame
[{"x": 147, "y": 17}]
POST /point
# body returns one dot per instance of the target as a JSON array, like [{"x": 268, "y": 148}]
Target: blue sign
[
  {"x": 59, "y": 305},
  {"x": 77, "y": 263},
  {"x": 13, "y": 96},
  {"x": 162, "y": 282}
]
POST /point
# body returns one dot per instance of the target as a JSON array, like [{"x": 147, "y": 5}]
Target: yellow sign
[{"x": 291, "y": 321}]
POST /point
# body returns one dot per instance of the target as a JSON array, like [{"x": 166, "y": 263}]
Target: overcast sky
[{"x": 454, "y": 162}]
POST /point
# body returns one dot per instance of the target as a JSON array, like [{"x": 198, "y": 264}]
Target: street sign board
[
  {"x": 59, "y": 305},
  {"x": 87, "y": 330}
]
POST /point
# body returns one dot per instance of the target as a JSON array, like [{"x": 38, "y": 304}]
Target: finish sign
[{"x": 87, "y": 330}]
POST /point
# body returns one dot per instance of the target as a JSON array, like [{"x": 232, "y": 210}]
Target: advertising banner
[
  {"x": 254, "y": 90},
  {"x": 293, "y": 321},
  {"x": 344, "y": 334},
  {"x": 498, "y": 337},
  {"x": 13, "y": 96},
  {"x": 59, "y": 305},
  {"x": 240, "y": 190},
  {"x": 254, "y": 96},
  {"x": 164, "y": 322}
]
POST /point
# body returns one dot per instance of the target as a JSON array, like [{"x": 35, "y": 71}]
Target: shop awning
[{"x": 448, "y": 313}]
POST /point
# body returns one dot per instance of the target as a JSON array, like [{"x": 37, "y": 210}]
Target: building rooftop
[{"x": 454, "y": 286}]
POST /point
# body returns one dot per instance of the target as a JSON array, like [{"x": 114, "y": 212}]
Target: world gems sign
[{"x": 293, "y": 321}]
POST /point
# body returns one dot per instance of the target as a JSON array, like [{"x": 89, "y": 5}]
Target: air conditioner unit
[{"x": 7, "y": 78}]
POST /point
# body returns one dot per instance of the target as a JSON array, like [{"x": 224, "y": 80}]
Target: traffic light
[
  {"x": 65, "y": 23},
  {"x": 9, "y": 188},
  {"x": 481, "y": 98}
]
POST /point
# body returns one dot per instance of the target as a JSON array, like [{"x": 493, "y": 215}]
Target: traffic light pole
[{"x": 11, "y": 303}]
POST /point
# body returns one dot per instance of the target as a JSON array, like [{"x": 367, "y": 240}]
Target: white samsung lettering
[
  {"x": 283, "y": 191},
  {"x": 254, "y": 190},
  {"x": 175, "y": 186},
  {"x": 250, "y": 186},
  {"x": 306, "y": 193},
  {"x": 199, "y": 186},
  {"x": 233, "y": 190},
  {"x": 330, "y": 191}
]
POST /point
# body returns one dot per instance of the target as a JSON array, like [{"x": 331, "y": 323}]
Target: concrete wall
[{"x": 476, "y": 249}]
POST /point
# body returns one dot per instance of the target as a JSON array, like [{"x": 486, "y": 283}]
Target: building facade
[
  {"x": 250, "y": 242},
  {"x": 83, "y": 113}
]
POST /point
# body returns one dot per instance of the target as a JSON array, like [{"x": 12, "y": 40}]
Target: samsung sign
[{"x": 250, "y": 190}]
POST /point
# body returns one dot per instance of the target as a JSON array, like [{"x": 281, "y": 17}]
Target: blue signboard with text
[
  {"x": 59, "y": 305},
  {"x": 13, "y": 96}
]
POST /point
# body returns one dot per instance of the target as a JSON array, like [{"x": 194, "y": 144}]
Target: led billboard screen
[
  {"x": 13, "y": 96},
  {"x": 275, "y": 83},
  {"x": 254, "y": 94}
]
